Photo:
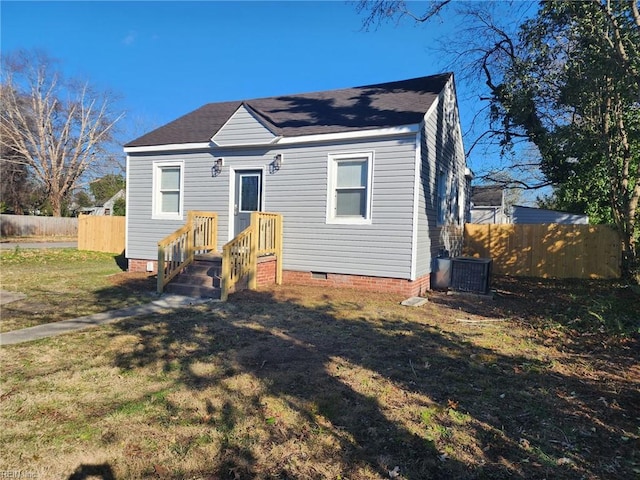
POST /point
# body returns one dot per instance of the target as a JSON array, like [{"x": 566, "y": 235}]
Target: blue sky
[{"x": 167, "y": 58}]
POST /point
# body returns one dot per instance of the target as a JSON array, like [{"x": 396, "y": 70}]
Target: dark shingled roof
[
  {"x": 486, "y": 195},
  {"x": 373, "y": 106}
]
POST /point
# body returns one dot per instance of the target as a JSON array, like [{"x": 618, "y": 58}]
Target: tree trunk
[{"x": 55, "y": 200}]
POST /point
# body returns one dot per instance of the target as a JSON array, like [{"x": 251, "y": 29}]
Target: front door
[{"x": 248, "y": 197}]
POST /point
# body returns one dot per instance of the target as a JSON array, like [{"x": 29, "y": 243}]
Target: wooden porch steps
[{"x": 200, "y": 279}]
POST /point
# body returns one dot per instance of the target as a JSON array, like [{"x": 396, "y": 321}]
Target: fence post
[
  {"x": 225, "y": 273},
  {"x": 160, "y": 285},
  {"x": 213, "y": 233},
  {"x": 253, "y": 251},
  {"x": 279, "y": 233}
]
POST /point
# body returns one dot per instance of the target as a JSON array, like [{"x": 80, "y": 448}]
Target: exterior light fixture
[
  {"x": 277, "y": 161},
  {"x": 217, "y": 167}
]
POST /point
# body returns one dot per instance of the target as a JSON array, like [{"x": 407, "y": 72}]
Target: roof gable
[
  {"x": 243, "y": 128},
  {"x": 376, "y": 106}
]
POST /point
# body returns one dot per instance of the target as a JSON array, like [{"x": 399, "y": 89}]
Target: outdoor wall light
[
  {"x": 277, "y": 161},
  {"x": 217, "y": 167}
]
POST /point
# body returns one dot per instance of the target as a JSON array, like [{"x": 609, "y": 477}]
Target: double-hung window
[
  {"x": 349, "y": 192},
  {"x": 168, "y": 190}
]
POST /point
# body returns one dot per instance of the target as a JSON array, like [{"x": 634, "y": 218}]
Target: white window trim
[
  {"x": 333, "y": 159},
  {"x": 157, "y": 202},
  {"x": 232, "y": 194}
]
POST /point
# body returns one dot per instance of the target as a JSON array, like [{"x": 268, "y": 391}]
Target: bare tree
[
  {"x": 13, "y": 181},
  {"x": 58, "y": 127}
]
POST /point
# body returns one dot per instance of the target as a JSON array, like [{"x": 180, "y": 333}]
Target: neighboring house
[
  {"x": 371, "y": 181},
  {"x": 106, "y": 208},
  {"x": 488, "y": 204},
  {"x": 520, "y": 214}
]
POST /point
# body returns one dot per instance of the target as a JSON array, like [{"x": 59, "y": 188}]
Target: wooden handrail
[
  {"x": 176, "y": 251},
  {"x": 205, "y": 230},
  {"x": 262, "y": 237}
]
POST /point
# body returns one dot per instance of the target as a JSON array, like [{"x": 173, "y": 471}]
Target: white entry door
[{"x": 248, "y": 198}]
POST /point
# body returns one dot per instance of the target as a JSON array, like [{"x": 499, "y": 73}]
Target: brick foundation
[
  {"x": 267, "y": 276},
  {"x": 266, "y": 268},
  {"x": 400, "y": 286},
  {"x": 267, "y": 271},
  {"x": 138, "y": 265}
]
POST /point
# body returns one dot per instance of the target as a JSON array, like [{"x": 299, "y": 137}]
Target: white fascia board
[
  {"x": 247, "y": 145},
  {"x": 321, "y": 137},
  {"x": 357, "y": 134},
  {"x": 169, "y": 147},
  {"x": 433, "y": 106}
]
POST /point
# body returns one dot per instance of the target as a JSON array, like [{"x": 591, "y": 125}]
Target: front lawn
[
  {"x": 297, "y": 382},
  {"x": 61, "y": 284}
]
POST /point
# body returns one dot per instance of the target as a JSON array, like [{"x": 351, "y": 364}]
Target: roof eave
[
  {"x": 400, "y": 130},
  {"x": 171, "y": 147},
  {"x": 350, "y": 135}
]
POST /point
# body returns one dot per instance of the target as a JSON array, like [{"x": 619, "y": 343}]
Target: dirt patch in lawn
[
  {"x": 135, "y": 282},
  {"x": 299, "y": 382}
]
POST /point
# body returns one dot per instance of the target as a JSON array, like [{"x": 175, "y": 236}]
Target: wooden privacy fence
[
  {"x": 558, "y": 251},
  {"x": 101, "y": 233},
  {"x": 32, "y": 226}
]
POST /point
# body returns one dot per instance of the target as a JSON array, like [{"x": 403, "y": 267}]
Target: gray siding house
[
  {"x": 488, "y": 205},
  {"x": 106, "y": 208},
  {"x": 529, "y": 215},
  {"x": 371, "y": 181}
]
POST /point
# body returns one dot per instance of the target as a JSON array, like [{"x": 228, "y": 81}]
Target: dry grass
[
  {"x": 39, "y": 239},
  {"x": 65, "y": 283},
  {"x": 297, "y": 383}
]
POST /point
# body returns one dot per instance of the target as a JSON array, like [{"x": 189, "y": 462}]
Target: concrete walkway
[{"x": 66, "y": 326}]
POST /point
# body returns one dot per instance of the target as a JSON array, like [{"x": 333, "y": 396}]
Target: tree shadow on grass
[
  {"x": 473, "y": 413},
  {"x": 589, "y": 316},
  {"x": 96, "y": 472}
]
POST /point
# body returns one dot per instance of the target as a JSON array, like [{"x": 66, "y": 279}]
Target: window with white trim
[
  {"x": 168, "y": 190},
  {"x": 349, "y": 188}
]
